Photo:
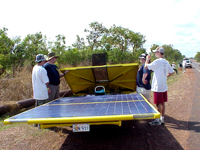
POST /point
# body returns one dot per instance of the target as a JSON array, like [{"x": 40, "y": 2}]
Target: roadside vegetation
[
  {"x": 17, "y": 55},
  {"x": 197, "y": 57},
  {"x": 5, "y": 127},
  {"x": 120, "y": 44}
]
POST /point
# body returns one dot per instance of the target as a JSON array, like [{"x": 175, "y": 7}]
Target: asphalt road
[{"x": 194, "y": 121}]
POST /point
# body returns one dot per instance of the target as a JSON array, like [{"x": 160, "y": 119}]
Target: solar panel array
[{"x": 122, "y": 104}]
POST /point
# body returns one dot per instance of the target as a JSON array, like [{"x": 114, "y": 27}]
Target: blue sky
[{"x": 175, "y": 22}]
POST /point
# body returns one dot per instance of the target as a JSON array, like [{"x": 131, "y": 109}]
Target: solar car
[{"x": 102, "y": 95}]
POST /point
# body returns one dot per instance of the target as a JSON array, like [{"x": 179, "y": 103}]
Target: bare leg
[{"x": 161, "y": 108}]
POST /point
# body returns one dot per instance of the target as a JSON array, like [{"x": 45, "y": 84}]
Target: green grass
[
  {"x": 40, "y": 132},
  {"x": 4, "y": 127},
  {"x": 173, "y": 78}
]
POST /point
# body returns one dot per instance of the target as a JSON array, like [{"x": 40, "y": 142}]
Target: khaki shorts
[{"x": 54, "y": 92}]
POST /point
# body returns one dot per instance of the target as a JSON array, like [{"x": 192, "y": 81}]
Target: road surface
[{"x": 194, "y": 121}]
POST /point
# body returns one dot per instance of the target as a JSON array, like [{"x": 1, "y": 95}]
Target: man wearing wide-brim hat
[
  {"x": 51, "y": 55},
  {"x": 54, "y": 76}
]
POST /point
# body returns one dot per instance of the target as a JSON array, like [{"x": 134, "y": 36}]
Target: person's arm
[
  {"x": 148, "y": 58},
  {"x": 171, "y": 71},
  {"x": 63, "y": 74},
  {"x": 49, "y": 90},
  {"x": 169, "y": 74},
  {"x": 144, "y": 78}
]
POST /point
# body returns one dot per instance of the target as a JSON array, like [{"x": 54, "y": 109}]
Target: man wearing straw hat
[{"x": 54, "y": 76}]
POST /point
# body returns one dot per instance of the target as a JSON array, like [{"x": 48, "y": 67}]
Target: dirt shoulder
[
  {"x": 132, "y": 135},
  {"x": 178, "y": 109}
]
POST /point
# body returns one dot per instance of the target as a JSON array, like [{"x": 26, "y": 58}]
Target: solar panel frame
[{"x": 89, "y": 108}]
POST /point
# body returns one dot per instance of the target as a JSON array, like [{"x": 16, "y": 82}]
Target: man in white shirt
[
  {"x": 162, "y": 70},
  {"x": 174, "y": 67},
  {"x": 184, "y": 65},
  {"x": 40, "y": 81}
]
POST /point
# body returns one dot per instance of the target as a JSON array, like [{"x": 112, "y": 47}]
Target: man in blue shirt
[
  {"x": 54, "y": 76},
  {"x": 143, "y": 79}
]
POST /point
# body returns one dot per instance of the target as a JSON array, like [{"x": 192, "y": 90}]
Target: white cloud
[{"x": 162, "y": 22}]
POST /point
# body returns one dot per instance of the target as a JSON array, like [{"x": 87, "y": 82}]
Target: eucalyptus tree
[
  {"x": 135, "y": 40},
  {"x": 111, "y": 40},
  {"x": 107, "y": 42},
  {"x": 34, "y": 44},
  {"x": 177, "y": 56},
  {"x": 59, "y": 47},
  {"x": 6, "y": 48},
  {"x": 96, "y": 32},
  {"x": 119, "y": 37},
  {"x": 197, "y": 56},
  {"x": 171, "y": 54},
  {"x": 126, "y": 45},
  {"x": 124, "y": 39},
  {"x": 153, "y": 47},
  {"x": 18, "y": 55},
  {"x": 80, "y": 43}
]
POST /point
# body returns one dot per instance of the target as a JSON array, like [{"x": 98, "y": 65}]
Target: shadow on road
[
  {"x": 132, "y": 135},
  {"x": 182, "y": 125}
]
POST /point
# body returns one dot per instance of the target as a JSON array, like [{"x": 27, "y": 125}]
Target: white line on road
[{"x": 196, "y": 68}]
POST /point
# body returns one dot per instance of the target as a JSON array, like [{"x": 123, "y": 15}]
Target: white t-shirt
[
  {"x": 173, "y": 66},
  {"x": 161, "y": 68},
  {"x": 39, "y": 80},
  {"x": 184, "y": 63}
]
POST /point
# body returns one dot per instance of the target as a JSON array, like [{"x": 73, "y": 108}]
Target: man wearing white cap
[
  {"x": 143, "y": 78},
  {"x": 40, "y": 81},
  {"x": 162, "y": 69}
]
